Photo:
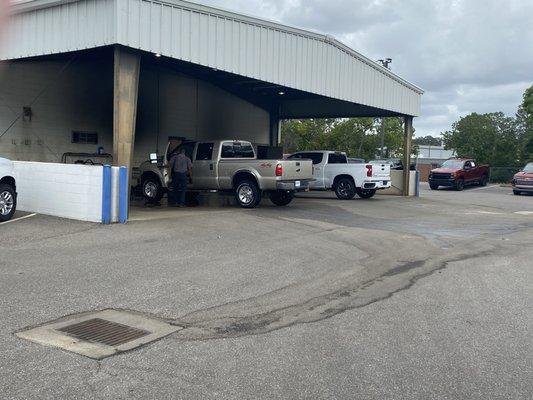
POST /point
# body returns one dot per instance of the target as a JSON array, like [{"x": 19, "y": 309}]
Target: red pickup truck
[{"x": 458, "y": 173}]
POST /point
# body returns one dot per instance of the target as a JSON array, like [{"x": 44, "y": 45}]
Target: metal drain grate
[{"x": 105, "y": 332}]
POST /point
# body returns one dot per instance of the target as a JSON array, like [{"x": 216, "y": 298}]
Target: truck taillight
[
  {"x": 279, "y": 170},
  {"x": 369, "y": 170}
]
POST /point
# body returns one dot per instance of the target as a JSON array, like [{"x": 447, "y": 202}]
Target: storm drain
[
  {"x": 100, "y": 334},
  {"x": 106, "y": 332}
]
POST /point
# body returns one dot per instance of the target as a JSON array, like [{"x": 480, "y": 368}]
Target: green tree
[
  {"x": 524, "y": 118},
  {"x": 358, "y": 137},
  {"x": 428, "y": 141},
  {"x": 490, "y": 138}
]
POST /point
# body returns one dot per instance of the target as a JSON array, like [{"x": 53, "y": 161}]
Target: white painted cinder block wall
[
  {"x": 61, "y": 190},
  {"x": 81, "y": 98}
]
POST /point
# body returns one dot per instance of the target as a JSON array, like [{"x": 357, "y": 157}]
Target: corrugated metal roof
[{"x": 215, "y": 38}]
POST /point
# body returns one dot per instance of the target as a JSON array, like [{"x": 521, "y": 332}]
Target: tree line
[
  {"x": 358, "y": 137},
  {"x": 491, "y": 138},
  {"x": 495, "y": 138}
]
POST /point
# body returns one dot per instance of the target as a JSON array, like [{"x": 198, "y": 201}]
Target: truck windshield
[
  {"x": 453, "y": 164},
  {"x": 529, "y": 168}
]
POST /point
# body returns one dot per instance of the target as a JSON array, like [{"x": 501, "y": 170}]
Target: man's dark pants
[{"x": 179, "y": 188}]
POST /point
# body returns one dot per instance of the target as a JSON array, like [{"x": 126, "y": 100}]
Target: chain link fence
[{"x": 502, "y": 174}]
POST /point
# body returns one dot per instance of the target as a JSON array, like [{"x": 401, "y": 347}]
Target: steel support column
[
  {"x": 408, "y": 134},
  {"x": 126, "y": 86},
  {"x": 275, "y": 127}
]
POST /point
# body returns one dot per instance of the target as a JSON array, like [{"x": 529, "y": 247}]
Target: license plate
[{"x": 297, "y": 184}]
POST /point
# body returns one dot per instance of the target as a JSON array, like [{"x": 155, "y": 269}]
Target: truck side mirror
[{"x": 153, "y": 158}]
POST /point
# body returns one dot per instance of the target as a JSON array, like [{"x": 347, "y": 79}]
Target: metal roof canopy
[{"x": 251, "y": 57}]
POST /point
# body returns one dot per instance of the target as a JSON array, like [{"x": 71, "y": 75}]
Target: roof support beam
[
  {"x": 408, "y": 134},
  {"x": 125, "y": 93}
]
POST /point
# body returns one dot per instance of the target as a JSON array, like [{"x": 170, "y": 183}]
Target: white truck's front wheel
[{"x": 8, "y": 202}]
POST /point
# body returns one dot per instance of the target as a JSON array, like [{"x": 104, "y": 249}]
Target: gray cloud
[{"x": 469, "y": 55}]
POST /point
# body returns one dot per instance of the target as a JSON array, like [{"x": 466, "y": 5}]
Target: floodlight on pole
[{"x": 385, "y": 64}]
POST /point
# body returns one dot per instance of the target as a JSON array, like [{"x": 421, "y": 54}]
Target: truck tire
[
  {"x": 248, "y": 194},
  {"x": 483, "y": 181},
  {"x": 460, "y": 185},
  {"x": 366, "y": 193},
  {"x": 8, "y": 202},
  {"x": 152, "y": 189},
  {"x": 517, "y": 192},
  {"x": 345, "y": 189},
  {"x": 433, "y": 186},
  {"x": 281, "y": 197}
]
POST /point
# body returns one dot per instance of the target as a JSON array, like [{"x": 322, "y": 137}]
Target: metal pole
[
  {"x": 408, "y": 133},
  {"x": 382, "y": 138}
]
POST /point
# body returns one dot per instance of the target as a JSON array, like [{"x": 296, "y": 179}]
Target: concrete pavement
[{"x": 389, "y": 298}]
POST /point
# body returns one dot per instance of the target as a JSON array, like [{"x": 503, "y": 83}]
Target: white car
[
  {"x": 8, "y": 190},
  {"x": 332, "y": 171}
]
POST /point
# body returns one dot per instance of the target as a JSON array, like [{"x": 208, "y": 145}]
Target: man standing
[{"x": 180, "y": 167}]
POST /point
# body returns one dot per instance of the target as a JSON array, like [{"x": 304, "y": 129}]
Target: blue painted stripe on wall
[
  {"x": 106, "y": 195},
  {"x": 123, "y": 189}
]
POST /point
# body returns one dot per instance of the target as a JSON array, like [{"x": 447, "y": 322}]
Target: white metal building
[{"x": 134, "y": 72}]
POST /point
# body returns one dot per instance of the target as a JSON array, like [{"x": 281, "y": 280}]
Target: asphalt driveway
[{"x": 388, "y": 298}]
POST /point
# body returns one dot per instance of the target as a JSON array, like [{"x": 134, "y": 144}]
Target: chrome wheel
[
  {"x": 7, "y": 203},
  {"x": 246, "y": 194},
  {"x": 150, "y": 189}
]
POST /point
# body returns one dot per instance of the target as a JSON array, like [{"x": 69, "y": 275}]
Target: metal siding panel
[
  {"x": 195, "y": 37},
  {"x": 166, "y": 34},
  {"x": 209, "y": 37},
  {"x": 203, "y": 39},
  {"x": 155, "y": 27},
  {"x": 186, "y": 35},
  {"x": 175, "y": 41},
  {"x": 144, "y": 26}
]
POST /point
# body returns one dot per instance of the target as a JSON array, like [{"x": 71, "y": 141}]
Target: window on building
[{"x": 84, "y": 137}]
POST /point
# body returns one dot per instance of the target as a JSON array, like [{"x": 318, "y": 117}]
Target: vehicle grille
[
  {"x": 441, "y": 176},
  {"x": 522, "y": 182}
]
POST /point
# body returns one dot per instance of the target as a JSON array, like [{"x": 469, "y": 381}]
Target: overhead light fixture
[
  {"x": 281, "y": 93},
  {"x": 157, "y": 55}
]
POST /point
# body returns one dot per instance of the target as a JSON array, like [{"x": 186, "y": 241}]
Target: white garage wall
[
  {"x": 80, "y": 98},
  {"x": 61, "y": 190}
]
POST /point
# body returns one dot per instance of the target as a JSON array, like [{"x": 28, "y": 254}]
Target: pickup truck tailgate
[
  {"x": 381, "y": 171},
  {"x": 296, "y": 169}
]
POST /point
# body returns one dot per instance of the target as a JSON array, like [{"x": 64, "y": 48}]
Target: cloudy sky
[{"x": 469, "y": 55}]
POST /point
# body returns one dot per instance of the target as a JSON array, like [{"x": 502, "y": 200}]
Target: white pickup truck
[
  {"x": 8, "y": 190},
  {"x": 332, "y": 171}
]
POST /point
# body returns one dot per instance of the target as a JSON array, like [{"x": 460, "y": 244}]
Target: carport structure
[{"x": 250, "y": 68}]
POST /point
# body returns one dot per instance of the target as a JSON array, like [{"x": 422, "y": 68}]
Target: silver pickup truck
[{"x": 230, "y": 165}]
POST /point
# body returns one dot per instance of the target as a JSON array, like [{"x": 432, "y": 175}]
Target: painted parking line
[
  {"x": 18, "y": 219},
  {"x": 482, "y": 188},
  {"x": 524, "y": 212}
]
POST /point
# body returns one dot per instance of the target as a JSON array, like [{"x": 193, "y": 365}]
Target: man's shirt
[{"x": 180, "y": 163}]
